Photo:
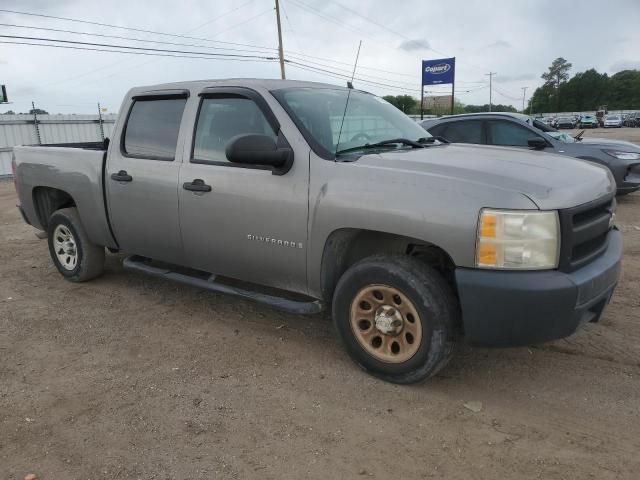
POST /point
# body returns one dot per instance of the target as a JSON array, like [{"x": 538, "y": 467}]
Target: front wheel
[
  {"x": 396, "y": 317},
  {"x": 75, "y": 257}
]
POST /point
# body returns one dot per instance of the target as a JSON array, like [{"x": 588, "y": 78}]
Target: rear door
[
  {"x": 460, "y": 131},
  {"x": 142, "y": 178},
  {"x": 251, "y": 225}
]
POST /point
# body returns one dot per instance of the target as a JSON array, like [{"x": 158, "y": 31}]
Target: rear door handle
[
  {"x": 121, "y": 176},
  {"x": 197, "y": 185}
]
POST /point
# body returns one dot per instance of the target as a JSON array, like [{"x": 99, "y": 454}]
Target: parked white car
[{"x": 613, "y": 121}]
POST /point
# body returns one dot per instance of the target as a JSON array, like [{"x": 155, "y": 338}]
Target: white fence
[{"x": 40, "y": 129}]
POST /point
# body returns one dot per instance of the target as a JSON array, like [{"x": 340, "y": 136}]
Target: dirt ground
[{"x": 130, "y": 377}]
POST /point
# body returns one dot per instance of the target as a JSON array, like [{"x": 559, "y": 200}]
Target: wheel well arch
[
  {"x": 346, "y": 246},
  {"x": 47, "y": 200}
]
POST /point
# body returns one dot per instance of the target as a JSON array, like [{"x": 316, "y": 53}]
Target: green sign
[{"x": 3, "y": 94}]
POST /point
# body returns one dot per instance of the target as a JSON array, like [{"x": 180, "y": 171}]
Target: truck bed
[{"x": 76, "y": 169}]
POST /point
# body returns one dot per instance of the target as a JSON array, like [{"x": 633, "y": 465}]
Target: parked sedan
[
  {"x": 588, "y": 121},
  {"x": 565, "y": 122},
  {"x": 517, "y": 130},
  {"x": 613, "y": 121}
]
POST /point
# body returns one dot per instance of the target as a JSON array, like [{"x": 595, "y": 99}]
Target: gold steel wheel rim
[{"x": 386, "y": 323}]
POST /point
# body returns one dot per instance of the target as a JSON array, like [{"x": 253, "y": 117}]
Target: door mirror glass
[
  {"x": 255, "y": 149},
  {"x": 537, "y": 143}
]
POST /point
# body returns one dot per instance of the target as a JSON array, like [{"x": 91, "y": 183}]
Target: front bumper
[{"x": 510, "y": 308}]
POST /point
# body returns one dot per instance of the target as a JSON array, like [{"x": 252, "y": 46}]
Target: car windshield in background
[
  {"x": 540, "y": 125},
  {"x": 368, "y": 119},
  {"x": 562, "y": 136},
  {"x": 612, "y": 117}
]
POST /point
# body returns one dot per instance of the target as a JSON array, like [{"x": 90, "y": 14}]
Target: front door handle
[
  {"x": 121, "y": 176},
  {"x": 197, "y": 185}
]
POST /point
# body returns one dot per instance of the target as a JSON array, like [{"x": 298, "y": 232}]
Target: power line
[
  {"x": 128, "y": 47},
  {"x": 253, "y": 58},
  {"x": 142, "y": 30},
  {"x": 380, "y": 25},
  {"x": 133, "y": 39},
  {"x": 509, "y": 97},
  {"x": 347, "y": 76}
]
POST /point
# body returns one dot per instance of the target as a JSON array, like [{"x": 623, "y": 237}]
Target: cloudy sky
[{"x": 518, "y": 39}]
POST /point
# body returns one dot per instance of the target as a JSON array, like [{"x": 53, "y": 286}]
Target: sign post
[
  {"x": 3, "y": 94},
  {"x": 438, "y": 72}
]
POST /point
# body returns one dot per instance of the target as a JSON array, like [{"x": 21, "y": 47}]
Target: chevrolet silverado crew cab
[{"x": 304, "y": 195}]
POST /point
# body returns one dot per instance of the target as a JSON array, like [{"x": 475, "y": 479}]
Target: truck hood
[{"x": 550, "y": 181}]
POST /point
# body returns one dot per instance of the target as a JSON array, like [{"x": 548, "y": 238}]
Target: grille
[{"x": 585, "y": 232}]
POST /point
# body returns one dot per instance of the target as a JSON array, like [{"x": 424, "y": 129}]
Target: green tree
[
  {"x": 557, "y": 74},
  {"x": 587, "y": 91},
  {"x": 485, "y": 108},
  {"x": 405, "y": 103},
  {"x": 624, "y": 90}
]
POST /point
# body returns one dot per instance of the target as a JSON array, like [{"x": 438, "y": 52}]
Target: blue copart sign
[{"x": 435, "y": 72}]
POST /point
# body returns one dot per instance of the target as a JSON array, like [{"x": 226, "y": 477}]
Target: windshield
[
  {"x": 539, "y": 124},
  {"x": 612, "y": 117},
  {"x": 563, "y": 137},
  {"x": 368, "y": 119}
]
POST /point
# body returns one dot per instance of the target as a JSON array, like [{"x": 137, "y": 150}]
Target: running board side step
[{"x": 139, "y": 264}]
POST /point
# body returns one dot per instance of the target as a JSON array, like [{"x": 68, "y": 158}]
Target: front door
[
  {"x": 142, "y": 180},
  {"x": 251, "y": 224}
]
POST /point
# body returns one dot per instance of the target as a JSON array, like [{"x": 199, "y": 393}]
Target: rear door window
[
  {"x": 467, "y": 131},
  {"x": 152, "y": 128},
  {"x": 510, "y": 134}
]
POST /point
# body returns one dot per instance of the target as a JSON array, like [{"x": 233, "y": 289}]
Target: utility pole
[
  {"x": 100, "y": 122},
  {"x": 280, "y": 49},
  {"x": 490, "y": 75},
  {"x": 35, "y": 123},
  {"x": 524, "y": 93}
]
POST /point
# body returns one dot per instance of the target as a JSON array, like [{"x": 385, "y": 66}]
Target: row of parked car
[
  {"x": 615, "y": 120},
  {"x": 518, "y": 130},
  {"x": 631, "y": 120}
]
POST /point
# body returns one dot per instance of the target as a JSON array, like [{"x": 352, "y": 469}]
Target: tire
[
  {"x": 75, "y": 257},
  {"x": 422, "y": 294}
]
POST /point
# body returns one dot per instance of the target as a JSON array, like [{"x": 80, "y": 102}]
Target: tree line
[
  {"x": 585, "y": 91},
  {"x": 411, "y": 106}
]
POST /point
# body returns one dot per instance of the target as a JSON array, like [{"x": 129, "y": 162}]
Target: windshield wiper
[{"x": 393, "y": 141}]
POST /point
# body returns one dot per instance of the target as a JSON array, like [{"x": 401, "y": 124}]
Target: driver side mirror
[
  {"x": 537, "y": 143},
  {"x": 252, "y": 149}
]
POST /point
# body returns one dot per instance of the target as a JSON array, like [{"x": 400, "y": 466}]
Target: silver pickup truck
[{"x": 301, "y": 195}]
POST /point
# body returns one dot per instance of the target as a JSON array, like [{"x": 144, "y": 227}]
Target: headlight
[
  {"x": 518, "y": 239},
  {"x": 623, "y": 155}
]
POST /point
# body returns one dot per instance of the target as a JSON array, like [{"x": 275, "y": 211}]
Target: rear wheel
[
  {"x": 75, "y": 257},
  {"x": 396, "y": 317}
]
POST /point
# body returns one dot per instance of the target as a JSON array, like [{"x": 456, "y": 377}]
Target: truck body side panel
[
  {"x": 368, "y": 195},
  {"x": 78, "y": 172}
]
